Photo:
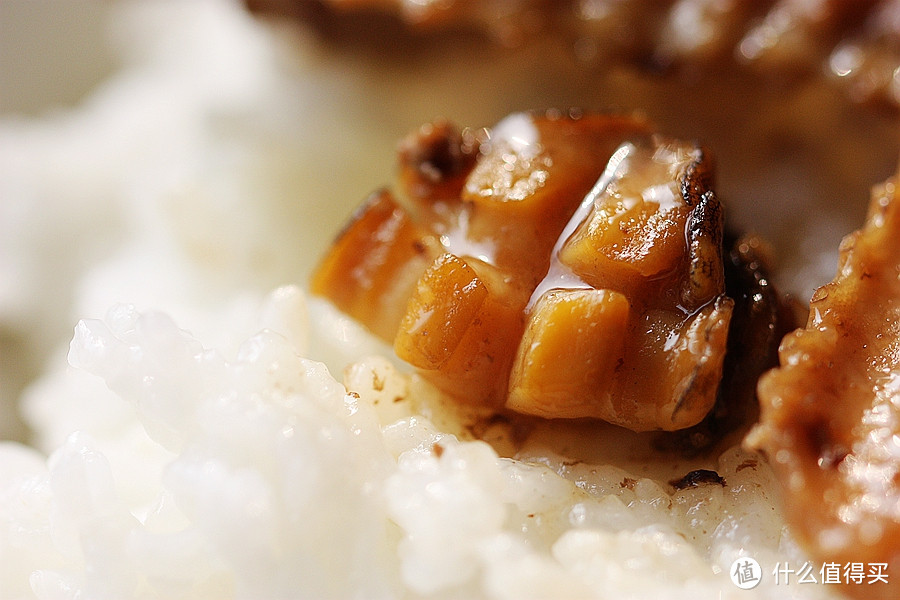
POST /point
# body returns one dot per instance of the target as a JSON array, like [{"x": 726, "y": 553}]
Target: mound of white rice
[
  {"x": 194, "y": 474},
  {"x": 188, "y": 443}
]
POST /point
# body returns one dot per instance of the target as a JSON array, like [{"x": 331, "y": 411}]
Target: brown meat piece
[
  {"x": 760, "y": 319},
  {"x": 640, "y": 340},
  {"x": 830, "y": 415},
  {"x": 575, "y": 269},
  {"x": 855, "y": 42}
]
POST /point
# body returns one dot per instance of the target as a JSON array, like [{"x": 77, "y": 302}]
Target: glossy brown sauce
[{"x": 576, "y": 270}]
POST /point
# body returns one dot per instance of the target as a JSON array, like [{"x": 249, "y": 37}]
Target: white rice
[
  {"x": 194, "y": 475},
  {"x": 187, "y": 443}
]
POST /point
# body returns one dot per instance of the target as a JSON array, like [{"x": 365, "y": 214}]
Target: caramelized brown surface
[
  {"x": 375, "y": 263},
  {"x": 761, "y": 317},
  {"x": 854, "y": 43},
  {"x": 576, "y": 269},
  {"x": 648, "y": 238},
  {"x": 830, "y": 420}
]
